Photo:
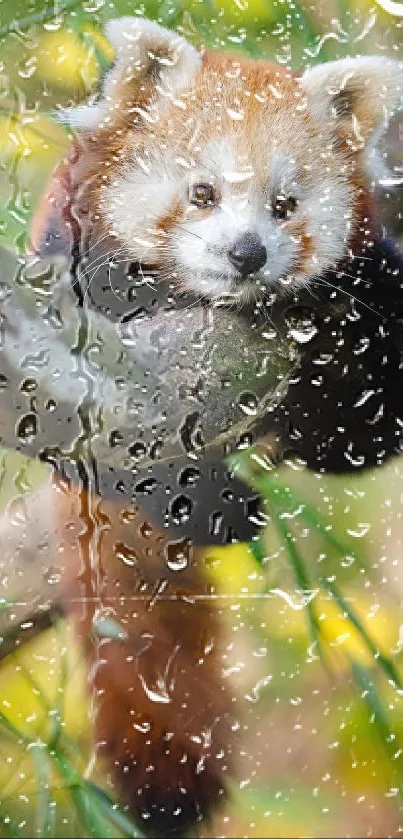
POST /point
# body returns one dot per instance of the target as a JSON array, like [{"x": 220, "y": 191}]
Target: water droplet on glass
[
  {"x": 138, "y": 449},
  {"x": 115, "y": 438},
  {"x": 296, "y": 604},
  {"x": 255, "y": 693},
  {"x": 216, "y": 520},
  {"x": 146, "y": 529},
  {"x": 248, "y": 404},
  {"x": 189, "y": 476},
  {"x": 125, "y": 553},
  {"x": 303, "y": 333},
  {"x": 147, "y": 486},
  {"x": 52, "y": 576},
  {"x": 104, "y": 625},
  {"x": 180, "y": 509},
  {"x": 177, "y": 555},
  {"x": 28, "y": 385},
  {"x": 50, "y": 405},
  {"x": 361, "y": 530},
  {"x": 238, "y": 116},
  {"x": 27, "y": 428}
]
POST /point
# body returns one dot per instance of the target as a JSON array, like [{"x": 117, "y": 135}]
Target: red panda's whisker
[
  {"x": 105, "y": 257},
  {"x": 102, "y": 256},
  {"x": 266, "y": 315},
  {"x": 146, "y": 282},
  {"x": 315, "y": 296},
  {"x": 351, "y": 276},
  {"x": 196, "y": 235},
  {"x": 360, "y": 256},
  {"x": 321, "y": 281},
  {"x": 180, "y": 282},
  {"x": 97, "y": 242},
  {"x": 105, "y": 262},
  {"x": 194, "y": 303}
]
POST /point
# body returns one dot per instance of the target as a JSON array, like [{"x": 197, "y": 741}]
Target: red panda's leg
[
  {"x": 164, "y": 713},
  {"x": 152, "y": 635}
]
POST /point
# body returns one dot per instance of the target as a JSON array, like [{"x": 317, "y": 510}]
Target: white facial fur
[
  {"x": 246, "y": 207},
  {"x": 195, "y": 250}
]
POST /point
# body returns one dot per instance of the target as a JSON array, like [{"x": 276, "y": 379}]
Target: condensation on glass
[{"x": 200, "y": 606}]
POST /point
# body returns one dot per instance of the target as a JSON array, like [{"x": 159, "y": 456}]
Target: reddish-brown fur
[{"x": 164, "y": 714}]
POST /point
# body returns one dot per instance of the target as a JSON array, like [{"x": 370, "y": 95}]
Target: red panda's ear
[
  {"x": 150, "y": 63},
  {"x": 355, "y": 96}
]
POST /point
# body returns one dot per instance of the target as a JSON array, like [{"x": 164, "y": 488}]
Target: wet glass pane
[{"x": 201, "y": 414}]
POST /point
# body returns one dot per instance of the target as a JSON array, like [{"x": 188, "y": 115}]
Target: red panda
[{"x": 243, "y": 185}]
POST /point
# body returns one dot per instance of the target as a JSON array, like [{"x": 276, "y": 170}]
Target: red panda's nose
[{"x": 248, "y": 254}]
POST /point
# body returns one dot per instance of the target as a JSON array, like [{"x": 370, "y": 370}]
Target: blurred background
[{"x": 314, "y": 614}]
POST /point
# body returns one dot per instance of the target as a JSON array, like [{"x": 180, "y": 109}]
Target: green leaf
[
  {"x": 87, "y": 810},
  {"x": 380, "y": 719},
  {"x": 114, "y": 811},
  {"x": 45, "y": 811},
  {"x": 301, "y": 576},
  {"x": 379, "y": 658},
  {"x": 10, "y": 827}
]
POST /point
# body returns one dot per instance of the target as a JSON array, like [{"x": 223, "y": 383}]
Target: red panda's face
[
  {"x": 232, "y": 196},
  {"x": 233, "y": 177}
]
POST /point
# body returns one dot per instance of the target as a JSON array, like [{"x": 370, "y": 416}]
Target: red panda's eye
[
  {"x": 284, "y": 206},
  {"x": 202, "y": 195}
]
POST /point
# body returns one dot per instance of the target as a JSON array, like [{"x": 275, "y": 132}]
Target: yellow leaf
[
  {"x": 233, "y": 570},
  {"x": 66, "y": 60},
  {"x": 285, "y": 616},
  {"x": 249, "y": 10},
  {"x": 41, "y": 661},
  {"x": 27, "y": 135}
]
